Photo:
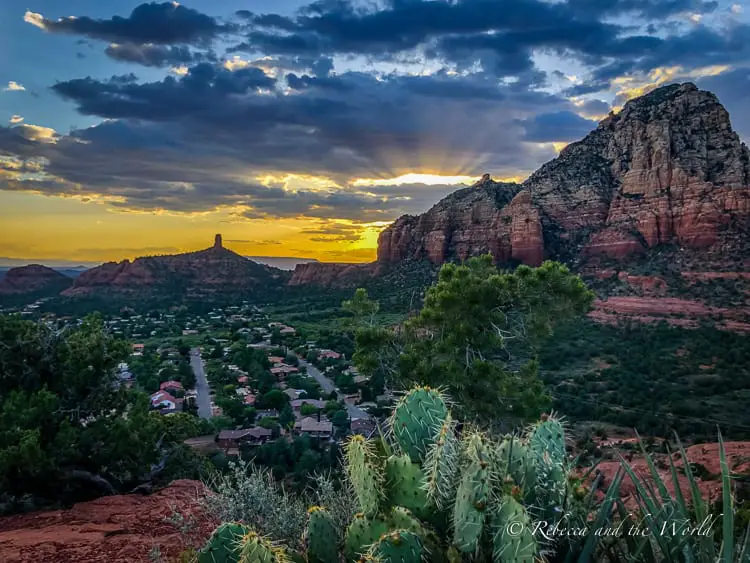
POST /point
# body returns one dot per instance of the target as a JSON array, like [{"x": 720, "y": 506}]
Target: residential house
[
  {"x": 328, "y": 354},
  {"x": 297, "y": 404},
  {"x": 287, "y": 330},
  {"x": 233, "y": 439},
  {"x": 281, "y": 371},
  {"x": 171, "y": 386},
  {"x": 138, "y": 349},
  {"x": 268, "y": 413},
  {"x": 293, "y": 393},
  {"x": 275, "y": 360},
  {"x": 310, "y": 426},
  {"x": 249, "y": 399},
  {"x": 165, "y": 402}
]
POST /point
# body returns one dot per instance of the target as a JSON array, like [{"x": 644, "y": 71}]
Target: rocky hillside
[
  {"x": 667, "y": 170},
  {"x": 115, "y": 529},
  {"x": 205, "y": 274},
  {"x": 32, "y": 281}
]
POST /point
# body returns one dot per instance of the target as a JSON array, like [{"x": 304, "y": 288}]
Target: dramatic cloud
[
  {"x": 162, "y": 24},
  {"x": 342, "y": 91},
  {"x": 156, "y": 55}
]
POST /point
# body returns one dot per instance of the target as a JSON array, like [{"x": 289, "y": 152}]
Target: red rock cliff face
[
  {"x": 328, "y": 274},
  {"x": 667, "y": 169}
]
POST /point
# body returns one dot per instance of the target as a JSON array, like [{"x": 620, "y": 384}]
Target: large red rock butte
[{"x": 667, "y": 169}]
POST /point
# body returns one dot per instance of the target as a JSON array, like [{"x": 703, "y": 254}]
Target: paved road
[
  {"x": 201, "y": 384},
  {"x": 328, "y": 386}
]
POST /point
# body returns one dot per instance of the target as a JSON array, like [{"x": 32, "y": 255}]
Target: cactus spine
[
  {"x": 257, "y": 549},
  {"x": 441, "y": 465}
]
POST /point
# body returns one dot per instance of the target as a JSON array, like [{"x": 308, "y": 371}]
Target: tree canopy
[
  {"x": 477, "y": 335},
  {"x": 65, "y": 422}
]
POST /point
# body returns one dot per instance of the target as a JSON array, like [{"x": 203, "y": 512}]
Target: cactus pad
[
  {"x": 365, "y": 473},
  {"x": 517, "y": 462},
  {"x": 257, "y": 549},
  {"x": 441, "y": 465},
  {"x": 417, "y": 419},
  {"x": 548, "y": 437},
  {"x": 405, "y": 482},
  {"x": 399, "y": 546},
  {"x": 361, "y": 533},
  {"x": 224, "y": 544},
  {"x": 321, "y": 536},
  {"x": 513, "y": 540},
  {"x": 469, "y": 511}
]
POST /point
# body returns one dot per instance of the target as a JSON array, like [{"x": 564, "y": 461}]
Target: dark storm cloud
[
  {"x": 157, "y": 55},
  {"x": 165, "y": 23},
  {"x": 560, "y": 126}
]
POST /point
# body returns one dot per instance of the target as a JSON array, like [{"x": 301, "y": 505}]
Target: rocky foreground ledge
[{"x": 115, "y": 529}]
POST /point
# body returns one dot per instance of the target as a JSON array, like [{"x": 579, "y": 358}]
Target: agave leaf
[
  {"x": 602, "y": 518},
  {"x": 727, "y": 544}
]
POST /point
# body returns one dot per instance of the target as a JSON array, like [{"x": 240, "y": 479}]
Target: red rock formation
[
  {"x": 116, "y": 529},
  {"x": 33, "y": 279},
  {"x": 327, "y": 274},
  {"x": 668, "y": 169},
  {"x": 706, "y": 455},
  {"x": 206, "y": 273}
]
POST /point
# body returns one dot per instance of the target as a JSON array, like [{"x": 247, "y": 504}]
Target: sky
[{"x": 299, "y": 128}]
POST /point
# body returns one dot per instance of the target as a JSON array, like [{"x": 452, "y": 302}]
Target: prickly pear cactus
[
  {"x": 257, "y": 549},
  {"x": 513, "y": 540},
  {"x": 470, "y": 509},
  {"x": 547, "y": 437},
  {"x": 517, "y": 462},
  {"x": 224, "y": 544},
  {"x": 401, "y": 518},
  {"x": 547, "y": 448},
  {"x": 417, "y": 419},
  {"x": 441, "y": 465},
  {"x": 405, "y": 485},
  {"x": 361, "y": 533},
  {"x": 399, "y": 546},
  {"x": 321, "y": 536},
  {"x": 365, "y": 474}
]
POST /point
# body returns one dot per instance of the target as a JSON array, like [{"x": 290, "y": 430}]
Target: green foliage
[
  {"x": 67, "y": 429},
  {"x": 361, "y": 306},
  {"x": 475, "y": 326}
]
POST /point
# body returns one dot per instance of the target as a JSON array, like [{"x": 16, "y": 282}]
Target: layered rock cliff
[
  {"x": 205, "y": 274},
  {"x": 327, "y": 274},
  {"x": 667, "y": 169}
]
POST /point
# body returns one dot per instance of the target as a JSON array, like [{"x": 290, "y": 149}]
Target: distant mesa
[{"x": 33, "y": 280}]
